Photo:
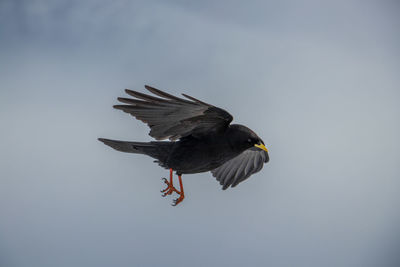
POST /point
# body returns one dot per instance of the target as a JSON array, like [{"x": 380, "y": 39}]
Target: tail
[{"x": 157, "y": 150}]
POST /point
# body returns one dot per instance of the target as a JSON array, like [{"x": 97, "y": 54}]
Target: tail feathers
[
  {"x": 157, "y": 150},
  {"x": 124, "y": 146}
]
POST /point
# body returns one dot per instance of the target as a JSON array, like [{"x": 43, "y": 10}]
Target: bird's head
[{"x": 243, "y": 138}]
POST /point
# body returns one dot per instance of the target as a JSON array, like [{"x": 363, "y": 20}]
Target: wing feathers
[
  {"x": 195, "y": 100},
  {"x": 166, "y": 95},
  {"x": 172, "y": 117},
  {"x": 144, "y": 96},
  {"x": 238, "y": 169}
]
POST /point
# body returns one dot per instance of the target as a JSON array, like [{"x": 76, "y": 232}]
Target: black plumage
[{"x": 201, "y": 138}]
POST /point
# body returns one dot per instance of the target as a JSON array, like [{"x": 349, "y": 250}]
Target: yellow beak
[{"x": 261, "y": 146}]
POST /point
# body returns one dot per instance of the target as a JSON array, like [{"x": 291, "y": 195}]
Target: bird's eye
[{"x": 249, "y": 140}]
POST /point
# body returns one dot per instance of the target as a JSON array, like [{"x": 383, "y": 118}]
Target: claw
[
  {"x": 166, "y": 182},
  {"x": 169, "y": 189},
  {"x": 178, "y": 200}
]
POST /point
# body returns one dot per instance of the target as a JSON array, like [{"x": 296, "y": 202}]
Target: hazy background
[{"x": 319, "y": 82}]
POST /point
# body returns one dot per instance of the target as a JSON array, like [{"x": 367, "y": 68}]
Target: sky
[{"x": 316, "y": 80}]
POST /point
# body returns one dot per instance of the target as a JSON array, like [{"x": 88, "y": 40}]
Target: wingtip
[
  {"x": 120, "y": 107},
  {"x": 155, "y": 91},
  {"x": 148, "y": 87},
  {"x": 125, "y": 100},
  {"x": 128, "y": 91},
  {"x": 196, "y": 100}
]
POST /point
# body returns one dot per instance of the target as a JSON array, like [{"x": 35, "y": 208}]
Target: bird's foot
[
  {"x": 179, "y": 199},
  {"x": 169, "y": 189}
]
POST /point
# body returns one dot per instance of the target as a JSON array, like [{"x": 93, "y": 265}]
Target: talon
[
  {"x": 171, "y": 189},
  {"x": 178, "y": 200},
  {"x": 164, "y": 190},
  {"x": 181, "y": 193},
  {"x": 166, "y": 182}
]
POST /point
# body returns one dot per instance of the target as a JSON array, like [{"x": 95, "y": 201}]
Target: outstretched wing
[
  {"x": 172, "y": 117},
  {"x": 241, "y": 167}
]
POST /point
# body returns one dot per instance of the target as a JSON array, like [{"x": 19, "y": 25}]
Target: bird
[{"x": 191, "y": 137}]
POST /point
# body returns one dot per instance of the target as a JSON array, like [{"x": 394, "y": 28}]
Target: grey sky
[{"x": 317, "y": 81}]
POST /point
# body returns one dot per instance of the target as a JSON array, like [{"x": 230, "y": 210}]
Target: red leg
[
  {"x": 170, "y": 185},
  {"x": 181, "y": 194}
]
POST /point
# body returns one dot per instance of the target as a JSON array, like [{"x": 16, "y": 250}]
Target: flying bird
[{"x": 201, "y": 139}]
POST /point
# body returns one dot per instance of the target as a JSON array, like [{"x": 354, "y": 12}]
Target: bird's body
[
  {"x": 206, "y": 140},
  {"x": 195, "y": 155},
  {"x": 190, "y": 154}
]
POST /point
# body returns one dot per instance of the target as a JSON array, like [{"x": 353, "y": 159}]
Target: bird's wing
[
  {"x": 172, "y": 117},
  {"x": 241, "y": 167}
]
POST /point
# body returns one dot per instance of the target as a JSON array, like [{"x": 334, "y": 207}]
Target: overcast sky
[{"x": 318, "y": 82}]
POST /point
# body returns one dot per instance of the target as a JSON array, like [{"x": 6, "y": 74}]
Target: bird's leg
[
  {"x": 181, "y": 193},
  {"x": 170, "y": 185}
]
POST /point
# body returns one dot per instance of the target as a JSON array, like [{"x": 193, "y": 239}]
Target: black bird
[{"x": 201, "y": 139}]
